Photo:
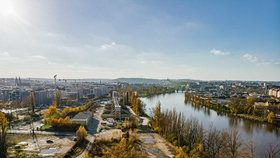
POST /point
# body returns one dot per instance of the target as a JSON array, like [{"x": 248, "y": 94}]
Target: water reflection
[
  {"x": 233, "y": 122},
  {"x": 198, "y": 107},
  {"x": 258, "y": 132}
]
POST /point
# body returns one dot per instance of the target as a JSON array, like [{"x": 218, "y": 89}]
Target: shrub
[{"x": 81, "y": 133}]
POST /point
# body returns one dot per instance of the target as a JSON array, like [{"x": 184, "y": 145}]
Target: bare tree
[
  {"x": 251, "y": 148},
  {"x": 214, "y": 142},
  {"x": 234, "y": 143},
  {"x": 273, "y": 151}
]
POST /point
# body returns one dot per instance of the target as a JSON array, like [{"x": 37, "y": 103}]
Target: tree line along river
[{"x": 262, "y": 134}]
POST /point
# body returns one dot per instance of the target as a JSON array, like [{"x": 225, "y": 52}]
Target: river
[{"x": 261, "y": 133}]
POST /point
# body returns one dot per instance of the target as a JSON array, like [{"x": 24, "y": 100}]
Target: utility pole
[
  {"x": 55, "y": 80},
  {"x": 32, "y": 113}
]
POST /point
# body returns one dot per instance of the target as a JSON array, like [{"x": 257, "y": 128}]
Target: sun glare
[{"x": 6, "y": 8}]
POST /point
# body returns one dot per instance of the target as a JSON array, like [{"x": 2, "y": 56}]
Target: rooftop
[{"x": 83, "y": 115}]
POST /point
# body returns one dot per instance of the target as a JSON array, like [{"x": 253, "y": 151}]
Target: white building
[{"x": 274, "y": 92}]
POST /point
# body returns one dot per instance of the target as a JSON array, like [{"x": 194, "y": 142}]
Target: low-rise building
[
  {"x": 274, "y": 92},
  {"x": 82, "y": 118}
]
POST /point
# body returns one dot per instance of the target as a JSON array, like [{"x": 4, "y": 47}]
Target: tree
[
  {"x": 251, "y": 147},
  {"x": 157, "y": 118},
  {"x": 57, "y": 98},
  {"x": 136, "y": 104},
  {"x": 130, "y": 123},
  {"x": 137, "y": 107},
  {"x": 236, "y": 105},
  {"x": 278, "y": 106},
  {"x": 234, "y": 143},
  {"x": 273, "y": 151},
  {"x": 249, "y": 105},
  {"x": 52, "y": 112},
  {"x": 214, "y": 142},
  {"x": 180, "y": 153},
  {"x": 270, "y": 117},
  {"x": 197, "y": 151},
  {"x": 126, "y": 148},
  {"x": 81, "y": 133},
  {"x": 250, "y": 101},
  {"x": 3, "y": 134},
  {"x": 85, "y": 155}
]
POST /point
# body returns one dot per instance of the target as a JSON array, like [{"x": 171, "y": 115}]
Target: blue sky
[{"x": 208, "y": 40}]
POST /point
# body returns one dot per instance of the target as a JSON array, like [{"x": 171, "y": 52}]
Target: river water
[{"x": 261, "y": 133}]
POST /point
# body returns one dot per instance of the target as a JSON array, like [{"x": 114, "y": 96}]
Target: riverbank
[
  {"x": 262, "y": 134},
  {"x": 148, "y": 94},
  {"x": 254, "y": 118},
  {"x": 206, "y": 102}
]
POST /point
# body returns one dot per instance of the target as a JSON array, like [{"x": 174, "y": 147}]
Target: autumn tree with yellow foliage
[
  {"x": 270, "y": 117},
  {"x": 57, "y": 98},
  {"x": 3, "y": 134},
  {"x": 136, "y": 104},
  {"x": 126, "y": 148},
  {"x": 59, "y": 119},
  {"x": 81, "y": 133},
  {"x": 157, "y": 119}
]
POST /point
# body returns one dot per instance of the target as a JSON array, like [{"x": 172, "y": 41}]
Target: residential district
[{"x": 71, "y": 118}]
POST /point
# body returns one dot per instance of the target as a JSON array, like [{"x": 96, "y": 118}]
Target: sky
[{"x": 191, "y": 39}]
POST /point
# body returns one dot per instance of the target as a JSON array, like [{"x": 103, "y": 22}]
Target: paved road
[
  {"x": 97, "y": 115},
  {"x": 145, "y": 120},
  {"x": 42, "y": 132},
  {"x": 87, "y": 149},
  {"x": 94, "y": 128},
  {"x": 131, "y": 111}
]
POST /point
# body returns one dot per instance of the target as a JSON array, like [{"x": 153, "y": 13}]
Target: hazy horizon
[
  {"x": 135, "y": 78},
  {"x": 200, "y": 40}
]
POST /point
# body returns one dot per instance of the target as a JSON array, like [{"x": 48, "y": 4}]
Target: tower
[
  {"x": 55, "y": 80},
  {"x": 19, "y": 81},
  {"x": 16, "y": 81}
]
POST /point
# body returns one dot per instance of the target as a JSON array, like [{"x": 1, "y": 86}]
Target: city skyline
[{"x": 219, "y": 40}]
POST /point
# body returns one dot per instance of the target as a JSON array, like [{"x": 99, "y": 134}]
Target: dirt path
[{"x": 157, "y": 146}]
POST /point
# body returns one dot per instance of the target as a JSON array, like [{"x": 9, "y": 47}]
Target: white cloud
[
  {"x": 7, "y": 57},
  {"x": 250, "y": 58},
  {"x": 38, "y": 57},
  {"x": 108, "y": 46},
  {"x": 254, "y": 59},
  {"x": 217, "y": 52},
  {"x": 5, "y": 54},
  {"x": 269, "y": 62}
]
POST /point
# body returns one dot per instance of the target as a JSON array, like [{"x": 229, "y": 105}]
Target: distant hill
[
  {"x": 142, "y": 81},
  {"x": 123, "y": 80}
]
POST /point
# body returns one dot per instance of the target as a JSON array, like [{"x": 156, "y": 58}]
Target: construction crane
[{"x": 55, "y": 80}]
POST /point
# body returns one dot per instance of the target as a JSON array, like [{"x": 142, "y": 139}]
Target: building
[
  {"x": 82, "y": 118},
  {"x": 274, "y": 92},
  {"x": 1, "y": 96},
  {"x": 5, "y": 95},
  {"x": 18, "y": 94},
  {"x": 43, "y": 97}
]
